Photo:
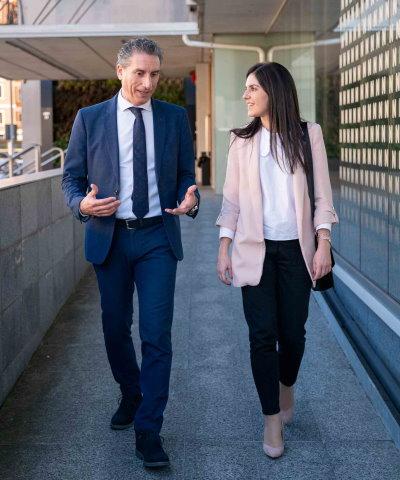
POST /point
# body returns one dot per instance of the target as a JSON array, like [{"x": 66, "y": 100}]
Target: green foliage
[
  {"x": 71, "y": 95},
  {"x": 170, "y": 90}
]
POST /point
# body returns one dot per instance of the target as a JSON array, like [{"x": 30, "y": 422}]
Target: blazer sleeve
[
  {"x": 324, "y": 209},
  {"x": 74, "y": 181},
  {"x": 230, "y": 209},
  {"x": 186, "y": 175}
]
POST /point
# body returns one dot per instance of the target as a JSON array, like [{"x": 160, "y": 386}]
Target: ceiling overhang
[
  {"x": 79, "y": 51},
  {"x": 101, "y": 30}
]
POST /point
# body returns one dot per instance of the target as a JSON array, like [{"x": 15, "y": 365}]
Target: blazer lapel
[
  {"x": 159, "y": 136},
  {"x": 253, "y": 146},
  {"x": 111, "y": 135}
]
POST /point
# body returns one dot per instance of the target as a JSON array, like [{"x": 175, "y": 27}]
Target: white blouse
[{"x": 279, "y": 211}]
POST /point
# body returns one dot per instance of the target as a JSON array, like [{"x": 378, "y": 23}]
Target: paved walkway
[{"x": 55, "y": 422}]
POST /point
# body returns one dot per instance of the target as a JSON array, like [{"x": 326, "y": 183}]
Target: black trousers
[{"x": 276, "y": 311}]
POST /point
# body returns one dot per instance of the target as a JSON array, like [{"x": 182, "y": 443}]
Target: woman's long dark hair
[{"x": 283, "y": 112}]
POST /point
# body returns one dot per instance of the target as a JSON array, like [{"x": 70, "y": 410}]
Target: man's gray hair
[{"x": 138, "y": 45}]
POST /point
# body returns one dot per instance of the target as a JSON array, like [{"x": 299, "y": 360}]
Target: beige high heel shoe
[{"x": 275, "y": 452}]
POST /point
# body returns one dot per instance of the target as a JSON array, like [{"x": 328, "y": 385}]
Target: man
[{"x": 136, "y": 154}]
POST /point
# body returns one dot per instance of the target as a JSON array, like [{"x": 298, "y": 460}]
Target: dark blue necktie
[{"x": 140, "y": 193}]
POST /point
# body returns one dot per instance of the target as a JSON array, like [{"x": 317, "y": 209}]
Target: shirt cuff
[
  {"x": 328, "y": 226},
  {"x": 82, "y": 215},
  {"x": 226, "y": 232}
]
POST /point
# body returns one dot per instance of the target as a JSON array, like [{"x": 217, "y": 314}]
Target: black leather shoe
[
  {"x": 125, "y": 414},
  {"x": 149, "y": 449}
]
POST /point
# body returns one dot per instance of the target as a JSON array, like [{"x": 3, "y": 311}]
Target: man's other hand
[
  {"x": 187, "y": 204},
  {"x": 105, "y": 207}
]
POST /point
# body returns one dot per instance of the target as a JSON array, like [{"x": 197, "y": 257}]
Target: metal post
[
  {"x": 38, "y": 158},
  {"x": 10, "y": 165},
  {"x": 62, "y": 158},
  {"x": 10, "y": 136}
]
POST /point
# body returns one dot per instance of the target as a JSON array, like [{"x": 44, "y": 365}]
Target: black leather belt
[{"x": 138, "y": 223}]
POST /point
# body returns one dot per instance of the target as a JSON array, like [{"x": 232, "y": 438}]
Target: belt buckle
[{"x": 128, "y": 227}]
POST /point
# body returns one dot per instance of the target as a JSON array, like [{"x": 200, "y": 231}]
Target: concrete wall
[
  {"x": 41, "y": 261},
  {"x": 383, "y": 340}
]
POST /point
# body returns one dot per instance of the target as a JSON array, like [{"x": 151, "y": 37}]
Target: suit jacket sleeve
[
  {"x": 186, "y": 175},
  {"x": 230, "y": 209},
  {"x": 74, "y": 182},
  {"x": 324, "y": 209}
]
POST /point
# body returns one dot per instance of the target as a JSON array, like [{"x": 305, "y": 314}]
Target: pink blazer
[{"x": 242, "y": 209}]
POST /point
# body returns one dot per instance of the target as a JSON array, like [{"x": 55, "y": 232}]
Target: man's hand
[
  {"x": 187, "y": 204},
  {"x": 105, "y": 207}
]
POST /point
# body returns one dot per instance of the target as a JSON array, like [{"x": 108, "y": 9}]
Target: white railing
[{"x": 16, "y": 165}]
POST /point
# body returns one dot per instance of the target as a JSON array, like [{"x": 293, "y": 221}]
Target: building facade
[{"x": 10, "y": 106}]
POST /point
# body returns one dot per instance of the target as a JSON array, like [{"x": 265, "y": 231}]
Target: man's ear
[{"x": 118, "y": 69}]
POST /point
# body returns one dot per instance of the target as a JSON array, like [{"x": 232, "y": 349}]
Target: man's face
[{"x": 139, "y": 77}]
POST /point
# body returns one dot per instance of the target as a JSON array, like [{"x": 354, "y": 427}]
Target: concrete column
[
  {"x": 37, "y": 113},
  {"x": 203, "y": 112}
]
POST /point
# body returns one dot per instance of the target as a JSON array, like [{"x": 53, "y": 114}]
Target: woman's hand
[
  {"x": 224, "y": 263},
  {"x": 322, "y": 262}
]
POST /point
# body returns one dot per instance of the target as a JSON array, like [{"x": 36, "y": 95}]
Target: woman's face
[{"x": 255, "y": 97}]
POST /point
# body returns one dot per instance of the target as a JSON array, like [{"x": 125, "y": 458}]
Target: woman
[{"x": 266, "y": 213}]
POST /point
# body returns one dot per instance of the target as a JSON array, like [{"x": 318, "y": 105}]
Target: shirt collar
[{"x": 123, "y": 104}]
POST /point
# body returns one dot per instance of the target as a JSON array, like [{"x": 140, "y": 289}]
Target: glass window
[{"x": 358, "y": 108}]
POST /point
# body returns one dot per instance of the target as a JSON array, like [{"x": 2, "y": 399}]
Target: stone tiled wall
[{"x": 41, "y": 261}]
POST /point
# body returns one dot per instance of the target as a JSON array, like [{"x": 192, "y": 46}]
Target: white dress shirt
[
  {"x": 125, "y": 121},
  {"x": 279, "y": 212}
]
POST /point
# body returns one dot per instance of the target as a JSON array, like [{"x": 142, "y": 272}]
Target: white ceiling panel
[
  {"x": 90, "y": 58},
  {"x": 239, "y": 16},
  {"x": 259, "y": 16},
  {"x": 308, "y": 16}
]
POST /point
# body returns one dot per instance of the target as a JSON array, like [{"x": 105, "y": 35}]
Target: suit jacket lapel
[
  {"x": 159, "y": 136},
  {"x": 111, "y": 135}
]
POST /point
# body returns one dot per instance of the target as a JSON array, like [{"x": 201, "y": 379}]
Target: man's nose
[{"x": 147, "y": 83}]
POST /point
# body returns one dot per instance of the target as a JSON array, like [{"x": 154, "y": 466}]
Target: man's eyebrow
[{"x": 141, "y": 70}]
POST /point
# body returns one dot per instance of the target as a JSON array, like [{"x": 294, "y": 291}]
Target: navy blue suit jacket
[{"x": 93, "y": 157}]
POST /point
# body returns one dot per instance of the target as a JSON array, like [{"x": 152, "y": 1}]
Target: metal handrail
[
  {"x": 36, "y": 164},
  {"x": 36, "y": 147},
  {"x": 60, "y": 153}
]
